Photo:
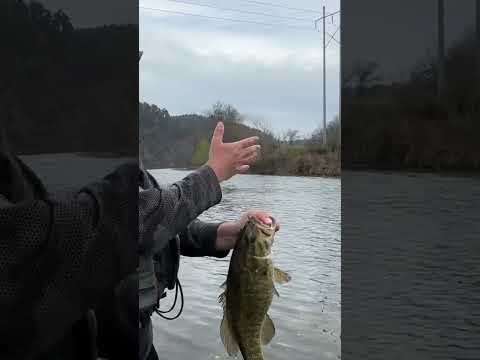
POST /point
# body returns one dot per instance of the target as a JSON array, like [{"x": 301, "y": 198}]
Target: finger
[
  {"x": 266, "y": 220},
  {"x": 245, "y": 143},
  {"x": 218, "y": 133},
  {"x": 242, "y": 169},
  {"x": 262, "y": 216},
  {"x": 249, "y": 160},
  {"x": 254, "y": 149}
]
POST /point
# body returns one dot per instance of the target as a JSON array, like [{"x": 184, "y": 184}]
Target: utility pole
[
  {"x": 477, "y": 20},
  {"x": 325, "y": 45},
  {"x": 441, "y": 50},
  {"x": 324, "y": 86}
]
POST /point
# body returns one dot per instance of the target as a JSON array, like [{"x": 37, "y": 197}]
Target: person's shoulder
[{"x": 147, "y": 181}]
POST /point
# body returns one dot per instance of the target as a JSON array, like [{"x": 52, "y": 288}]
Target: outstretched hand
[{"x": 229, "y": 159}]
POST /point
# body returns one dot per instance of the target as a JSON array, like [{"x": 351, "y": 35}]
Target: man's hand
[
  {"x": 228, "y": 232},
  {"x": 228, "y": 159}
]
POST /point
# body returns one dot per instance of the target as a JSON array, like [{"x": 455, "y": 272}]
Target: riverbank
[
  {"x": 183, "y": 141},
  {"x": 303, "y": 165},
  {"x": 302, "y": 162},
  {"x": 412, "y": 172}
]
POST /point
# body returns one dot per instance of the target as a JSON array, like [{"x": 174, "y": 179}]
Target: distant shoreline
[
  {"x": 408, "y": 172},
  {"x": 256, "y": 173},
  {"x": 413, "y": 171}
]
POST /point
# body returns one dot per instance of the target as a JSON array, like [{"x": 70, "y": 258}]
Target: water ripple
[{"x": 307, "y": 313}]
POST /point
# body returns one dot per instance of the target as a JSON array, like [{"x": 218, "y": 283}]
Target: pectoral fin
[
  {"x": 228, "y": 339},
  {"x": 280, "y": 277},
  {"x": 268, "y": 330}
]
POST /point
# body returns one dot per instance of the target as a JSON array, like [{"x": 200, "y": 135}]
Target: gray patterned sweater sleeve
[
  {"x": 167, "y": 211},
  {"x": 199, "y": 239}
]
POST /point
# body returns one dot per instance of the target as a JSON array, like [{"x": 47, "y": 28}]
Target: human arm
[
  {"x": 60, "y": 258},
  {"x": 200, "y": 239},
  {"x": 167, "y": 211},
  {"x": 215, "y": 239}
]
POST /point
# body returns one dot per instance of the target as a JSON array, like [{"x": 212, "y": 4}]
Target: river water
[
  {"x": 307, "y": 313},
  {"x": 410, "y": 266},
  {"x": 411, "y": 255}
]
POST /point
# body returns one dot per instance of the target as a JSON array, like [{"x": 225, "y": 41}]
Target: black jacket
[
  {"x": 168, "y": 228},
  {"x": 59, "y": 259}
]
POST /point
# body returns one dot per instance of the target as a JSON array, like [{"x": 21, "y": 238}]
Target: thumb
[
  {"x": 264, "y": 217},
  {"x": 218, "y": 133}
]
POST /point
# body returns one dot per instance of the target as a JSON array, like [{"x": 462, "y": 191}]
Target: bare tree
[
  {"x": 264, "y": 126},
  {"x": 225, "y": 112},
  {"x": 290, "y": 136},
  {"x": 333, "y": 134},
  {"x": 363, "y": 73}
]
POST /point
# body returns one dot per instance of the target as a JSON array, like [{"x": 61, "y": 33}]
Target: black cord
[
  {"x": 161, "y": 313},
  {"x": 174, "y": 302}
]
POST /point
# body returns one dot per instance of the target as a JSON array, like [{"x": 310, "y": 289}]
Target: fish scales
[{"x": 249, "y": 292}]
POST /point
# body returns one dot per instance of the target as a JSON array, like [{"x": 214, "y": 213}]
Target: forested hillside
[
  {"x": 409, "y": 124},
  {"x": 65, "y": 87},
  {"x": 183, "y": 141}
]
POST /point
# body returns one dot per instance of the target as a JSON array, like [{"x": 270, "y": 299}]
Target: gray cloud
[
  {"x": 272, "y": 73},
  {"x": 381, "y": 31}
]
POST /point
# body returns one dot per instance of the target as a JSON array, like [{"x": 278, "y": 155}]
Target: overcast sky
[
  {"x": 92, "y": 13},
  {"x": 272, "y": 73},
  {"x": 398, "y": 34}
]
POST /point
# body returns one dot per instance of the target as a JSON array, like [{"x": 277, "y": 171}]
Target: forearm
[
  {"x": 168, "y": 211},
  {"x": 201, "y": 239}
]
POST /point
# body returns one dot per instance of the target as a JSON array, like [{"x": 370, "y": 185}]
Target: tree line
[
  {"x": 183, "y": 141},
  {"x": 63, "y": 89},
  {"x": 410, "y": 124}
]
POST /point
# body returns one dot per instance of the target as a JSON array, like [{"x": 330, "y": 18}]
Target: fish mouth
[{"x": 267, "y": 229}]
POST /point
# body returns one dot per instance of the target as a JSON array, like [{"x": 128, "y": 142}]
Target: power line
[
  {"x": 225, "y": 19},
  {"x": 325, "y": 16},
  {"x": 241, "y": 11},
  {"x": 324, "y": 47},
  {"x": 281, "y": 6}
]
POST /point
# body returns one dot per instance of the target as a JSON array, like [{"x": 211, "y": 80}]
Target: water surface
[
  {"x": 307, "y": 314},
  {"x": 410, "y": 266}
]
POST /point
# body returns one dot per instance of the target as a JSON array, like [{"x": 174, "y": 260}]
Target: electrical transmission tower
[{"x": 325, "y": 45}]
